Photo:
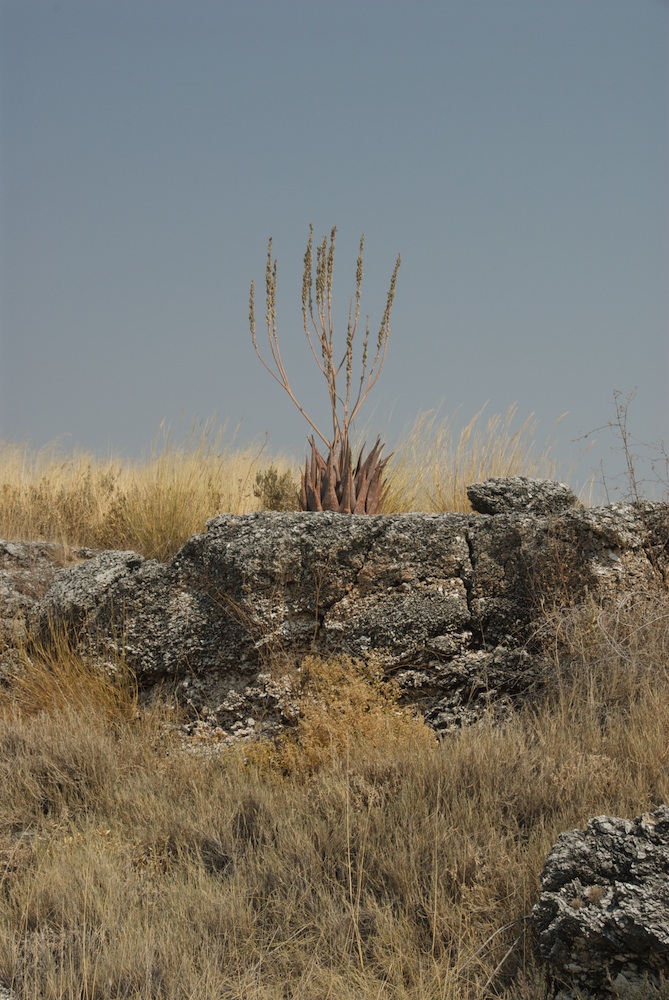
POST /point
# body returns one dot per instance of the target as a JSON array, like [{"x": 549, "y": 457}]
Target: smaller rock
[
  {"x": 520, "y": 493},
  {"x": 602, "y": 920}
]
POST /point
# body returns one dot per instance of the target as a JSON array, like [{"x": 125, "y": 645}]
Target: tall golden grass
[
  {"x": 153, "y": 506},
  {"x": 435, "y": 462}
]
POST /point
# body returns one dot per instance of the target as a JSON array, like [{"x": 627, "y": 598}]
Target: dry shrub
[
  {"x": 277, "y": 491},
  {"x": 431, "y": 467},
  {"x": 344, "y": 706}
]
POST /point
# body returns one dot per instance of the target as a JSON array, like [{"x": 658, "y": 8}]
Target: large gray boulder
[
  {"x": 448, "y": 604},
  {"x": 602, "y": 919}
]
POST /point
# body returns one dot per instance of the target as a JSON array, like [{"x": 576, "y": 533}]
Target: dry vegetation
[
  {"x": 356, "y": 858},
  {"x": 359, "y": 858},
  {"x": 433, "y": 465},
  {"x": 152, "y": 507}
]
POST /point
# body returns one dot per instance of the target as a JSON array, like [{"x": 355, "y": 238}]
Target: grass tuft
[{"x": 55, "y": 679}]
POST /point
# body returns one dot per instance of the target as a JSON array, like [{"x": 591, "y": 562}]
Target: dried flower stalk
[{"x": 333, "y": 482}]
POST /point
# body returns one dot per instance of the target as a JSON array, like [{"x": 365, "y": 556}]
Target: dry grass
[
  {"x": 55, "y": 679},
  {"x": 381, "y": 864},
  {"x": 432, "y": 465},
  {"x": 151, "y": 507}
]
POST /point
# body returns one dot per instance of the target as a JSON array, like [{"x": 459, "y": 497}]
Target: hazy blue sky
[{"x": 516, "y": 153}]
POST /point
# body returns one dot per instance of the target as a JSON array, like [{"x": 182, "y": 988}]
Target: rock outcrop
[
  {"x": 602, "y": 919},
  {"x": 448, "y": 603}
]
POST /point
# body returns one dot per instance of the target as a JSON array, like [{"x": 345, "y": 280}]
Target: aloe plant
[{"x": 334, "y": 480}]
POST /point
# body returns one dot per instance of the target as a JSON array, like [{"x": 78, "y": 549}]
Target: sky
[{"x": 515, "y": 152}]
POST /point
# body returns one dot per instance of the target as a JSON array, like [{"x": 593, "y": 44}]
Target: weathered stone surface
[
  {"x": 602, "y": 919},
  {"x": 447, "y": 603},
  {"x": 27, "y": 570},
  {"x": 520, "y": 494}
]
